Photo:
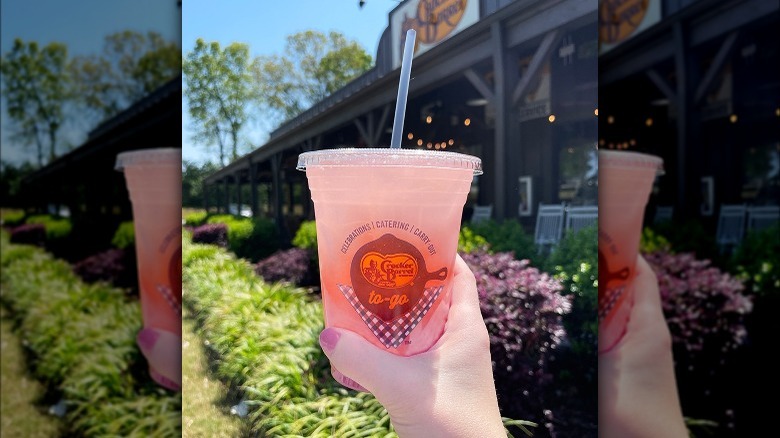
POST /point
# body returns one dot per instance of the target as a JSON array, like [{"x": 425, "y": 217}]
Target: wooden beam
[
  {"x": 541, "y": 54},
  {"x": 380, "y": 128},
  {"x": 681, "y": 72},
  {"x": 362, "y": 130},
  {"x": 480, "y": 85},
  {"x": 499, "y": 66},
  {"x": 662, "y": 85},
  {"x": 716, "y": 66}
]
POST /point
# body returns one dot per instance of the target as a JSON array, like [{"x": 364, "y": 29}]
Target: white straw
[{"x": 403, "y": 89}]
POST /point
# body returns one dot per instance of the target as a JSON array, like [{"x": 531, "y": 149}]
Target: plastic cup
[
  {"x": 625, "y": 182},
  {"x": 153, "y": 178},
  {"x": 387, "y": 234}
]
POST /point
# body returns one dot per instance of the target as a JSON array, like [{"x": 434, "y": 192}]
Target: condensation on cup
[
  {"x": 625, "y": 182},
  {"x": 387, "y": 234},
  {"x": 153, "y": 178}
]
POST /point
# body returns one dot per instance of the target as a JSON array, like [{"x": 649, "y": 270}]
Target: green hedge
[
  {"x": 196, "y": 218},
  {"x": 12, "y": 217},
  {"x": 757, "y": 261},
  {"x": 251, "y": 238},
  {"x": 306, "y": 236},
  {"x": 124, "y": 236},
  {"x": 266, "y": 339},
  {"x": 507, "y": 236},
  {"x": 82, "y": 340},
  {"x": 56, "y": 227},
  {"x": 574, "y": 261}
]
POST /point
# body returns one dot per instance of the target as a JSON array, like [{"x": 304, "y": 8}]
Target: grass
[
  {"x": 264, "y": 338},
  {"x": 205, "y": 400},
  {"x": 21, "y": 414},
  {"x": 81, "y": 339}
]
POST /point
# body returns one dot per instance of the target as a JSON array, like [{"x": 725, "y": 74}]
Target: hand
[
  {"x": 637, "y": 387},
  {"x": 447, "y": 391}
]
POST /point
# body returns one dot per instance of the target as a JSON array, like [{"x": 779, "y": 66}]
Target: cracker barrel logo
[
  {"x": 435, "y": 20},
  {"x": 388, "y": 271},
  {"x": 618, "y": 19},
  {"x": 389, "y": 276}
]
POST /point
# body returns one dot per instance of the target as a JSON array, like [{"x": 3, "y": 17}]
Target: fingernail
[
  {"x": 329, "y": 338},
  {"x": 147, "y": 338}
]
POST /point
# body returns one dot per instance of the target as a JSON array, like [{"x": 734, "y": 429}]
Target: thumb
[{"x": 356, "y": 363}]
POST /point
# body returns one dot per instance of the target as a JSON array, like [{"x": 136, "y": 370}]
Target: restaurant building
[
  {"x": 84, "y": 182},
  {"x": 697, "y": 83},
  {"x": 512, "y": 82}
]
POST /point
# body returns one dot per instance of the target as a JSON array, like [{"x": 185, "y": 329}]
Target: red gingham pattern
[
  {"x": 606, "y": 305},
  {"x": 391, "y": 334},
  {"x": 165, "y": 291}
]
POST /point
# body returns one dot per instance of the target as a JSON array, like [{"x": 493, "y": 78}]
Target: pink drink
[
  {"x": 625, "y": 181},
  {"x": 153, "y": 179},
  {"x": 387, "y": 235}
]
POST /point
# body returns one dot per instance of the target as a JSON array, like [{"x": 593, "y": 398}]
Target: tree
[
  {"x": 314, "y": 66},
  {"x": 131, "y": 66},
  {"x": 217, "y": 87},
  {"x": 35, "y": 86},
  {"x": 192, "y": 182},
  {"x": 10, "y": 182}
]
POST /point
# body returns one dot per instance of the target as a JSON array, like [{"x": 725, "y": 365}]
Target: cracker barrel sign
[
  {"x": 620, "y": 20},
  {"x": 433, "y": 20}
]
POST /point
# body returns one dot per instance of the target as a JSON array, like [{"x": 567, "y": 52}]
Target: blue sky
[
  {"x": 264, "y": 25},
  {"x": 81, "y": 25}
]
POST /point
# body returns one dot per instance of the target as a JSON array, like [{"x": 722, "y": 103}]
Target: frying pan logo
[
  {"x": 389, "y": 276},
  {"x": 388, "y": 271}
]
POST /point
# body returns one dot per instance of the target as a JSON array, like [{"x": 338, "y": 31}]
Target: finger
[
  {"x": 647, "y": 296},
  {"x": 464, "y": 307},
  {"x": 356, "y": 359}
]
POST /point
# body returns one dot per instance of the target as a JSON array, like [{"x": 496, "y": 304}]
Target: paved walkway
[
  {"x": 20, "y": 416},
  {"x": 205, "y": 406}
]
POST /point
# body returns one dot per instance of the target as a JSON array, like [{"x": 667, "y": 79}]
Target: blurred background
[
  {"x": 697, "y": 82},
  {"x": 512, "y": 82},
  {"x": 81, "y": 82}
]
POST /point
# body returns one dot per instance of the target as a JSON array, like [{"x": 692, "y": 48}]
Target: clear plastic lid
[
  {"x": 149, "y": 157},
  {"x": 389, "y": 157},
  {"x": 631, "y": 160}
]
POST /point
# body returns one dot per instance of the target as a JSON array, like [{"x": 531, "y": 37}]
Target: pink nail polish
[
  {"x": 328, "y": 339},
  {"x": 147, "y": 338}
]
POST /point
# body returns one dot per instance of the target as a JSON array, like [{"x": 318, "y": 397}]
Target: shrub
[
  {"x": 265, "y": 338},
  {"x": 115, "y": 266},
  {"x": 574, "y": 263},
  {"x": 507, "y": 236},
  {"x": 253, "y": 239},
  {"x": 31, "y": 234},
  {"x": 212, "y": 234},
  {"x": 704, "y": 307},
  {"x": 56, "y": 228},
  {"x": 705, "y": 310},
  {"x": 306, "y": 236},
  {"x": 469, "y": 241},
  {"x": 689, "y": 236},
  {"x": 82, "y": 344},
  {"x": 651, "y": 241},
  {"x": 12, "y": 218},
  {"x": 757, "y": 261},
  {"x": 196, "y": 218},
  {"x": 124, "y": 236},
  {"x": 292, "y": 266},
  {"x": 523, "y": 311}
]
